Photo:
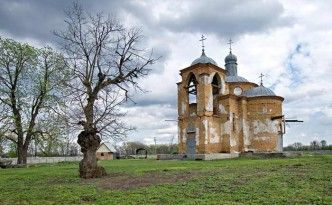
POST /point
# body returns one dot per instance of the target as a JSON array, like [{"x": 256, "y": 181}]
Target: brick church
[{"x": 222, "y": 112}]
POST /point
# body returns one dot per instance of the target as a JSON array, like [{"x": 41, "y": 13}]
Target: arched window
[{"x": 192, "y": 89}]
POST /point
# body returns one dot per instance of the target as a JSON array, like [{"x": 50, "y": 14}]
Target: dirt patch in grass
[{"x": 127, "y": 181}]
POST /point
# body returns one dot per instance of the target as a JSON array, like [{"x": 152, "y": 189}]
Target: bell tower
[{"x": 201, "y": 83}]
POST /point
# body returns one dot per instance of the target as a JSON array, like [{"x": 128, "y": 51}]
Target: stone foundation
[{"x": 214, "y": 156}]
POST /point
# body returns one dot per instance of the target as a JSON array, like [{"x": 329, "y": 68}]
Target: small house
[{"x": 106, "y": 151}]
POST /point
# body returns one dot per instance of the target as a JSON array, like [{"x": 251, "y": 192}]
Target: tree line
[
  {"x": 129, "y": 148},
  {"x": 57, "y": 147},
  {"x": 314, "y": 145}
]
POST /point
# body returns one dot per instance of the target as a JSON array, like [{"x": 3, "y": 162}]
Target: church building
[{"x": 222, "y": 112}]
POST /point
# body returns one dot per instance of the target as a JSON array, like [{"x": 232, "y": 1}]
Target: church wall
[
  {"x": 235, "y": 122},
  {"x": 225, "y": 124},
  {"x": 264, "y": 133},
  {"x": 214, "y": 140}
]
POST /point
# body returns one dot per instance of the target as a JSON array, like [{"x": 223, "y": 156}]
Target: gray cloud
[
  {"x": 37, "y": 19},
  {"x": 32, "y": 19},
  {"x": 228, "y": 18},
  {"x": 162, "y": 53},
  {"x": 154, "y": 98}
]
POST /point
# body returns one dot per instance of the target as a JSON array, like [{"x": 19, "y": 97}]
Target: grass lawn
[{"x": 302, "y": 180}]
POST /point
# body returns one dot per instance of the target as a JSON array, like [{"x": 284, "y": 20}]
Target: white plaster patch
[
  {"x": 184, "y": 138},
  {"x": 183, "y": 108},
  {"x": 279, "y": 143},
  {"x": 232, "y": 142},
  {"x": 223, "y": 87},
  {"x": 264, "y": 138},
  {"x": 210, "y": 103},
  {"x": 197, "y": 136},
  {"x": 267, "y": 126},
  {"x": 222, "y": 109},
  {"x": 264, "y": 110},
  {"x": 213, "y": 135},
  {"x": 206, "y": 124},
  {"x": 227, "y": 127},
  {"x": 205, "y": 79},
  {"x": 246, "y": 133}
]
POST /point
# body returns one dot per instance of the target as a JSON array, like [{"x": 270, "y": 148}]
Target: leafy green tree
[{"x": 31, "y": 89}]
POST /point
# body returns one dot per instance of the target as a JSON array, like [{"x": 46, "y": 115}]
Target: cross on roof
[
  {"x": 230, "y": 42},
  {"x": 261, "y": 77},
  {"x": 202, "y": 39}
]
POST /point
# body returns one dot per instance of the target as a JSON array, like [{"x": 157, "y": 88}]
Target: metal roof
[
  {"x": 204, "y": 59},
  {"x": 232, "y": 79},
  {"x": 259, "y": 91},
  {"x": 230, "y": 57}
]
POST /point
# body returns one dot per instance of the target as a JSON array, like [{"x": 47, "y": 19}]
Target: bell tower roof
[{"x": 204, "y": 59}]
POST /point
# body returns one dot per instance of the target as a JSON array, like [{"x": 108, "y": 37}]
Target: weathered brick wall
[
  {"x": 226, "y": 122},
  {"x": 264, "y": 133}
]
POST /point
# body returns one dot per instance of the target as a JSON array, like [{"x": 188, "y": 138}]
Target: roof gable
[{"x": 106, "y": 147}]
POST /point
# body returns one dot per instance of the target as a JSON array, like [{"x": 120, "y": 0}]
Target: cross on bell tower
[
  {"x": 261, "y": 77},
  {"x": 203, "y": 38},
  {"x": 230, "y": 42}
]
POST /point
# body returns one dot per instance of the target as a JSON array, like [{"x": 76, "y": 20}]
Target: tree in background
[
  {"x": 297, "y": 145},
  {"x": 31, "y": 82},
  {"x": 106, "y": 59},
  {"x": 315, "y": 145}
]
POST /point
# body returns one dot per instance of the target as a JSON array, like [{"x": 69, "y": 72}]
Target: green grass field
[{"x": 302, "y": 180}]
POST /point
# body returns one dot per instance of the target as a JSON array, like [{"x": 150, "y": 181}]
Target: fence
[{"x": 39, "y": 160}]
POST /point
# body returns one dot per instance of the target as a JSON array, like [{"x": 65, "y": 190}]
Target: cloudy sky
[{"x": 288, "y": 41}]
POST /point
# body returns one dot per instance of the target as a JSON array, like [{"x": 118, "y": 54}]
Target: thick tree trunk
[
  {"x": 19, "y": 154},
  {"x": 89, "y": 142},
  {"x": 22, "y": 154}
]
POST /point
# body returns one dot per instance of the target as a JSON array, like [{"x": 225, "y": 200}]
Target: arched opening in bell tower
[
  {"x": 192, "y": 89},
  {"x": 216, "y": 84},
  {"x": 216, "y": 87}
]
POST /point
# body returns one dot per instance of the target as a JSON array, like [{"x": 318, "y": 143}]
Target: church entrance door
[{"x": 191, "y": 144}]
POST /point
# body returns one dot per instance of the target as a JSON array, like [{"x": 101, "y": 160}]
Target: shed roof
[{"x": 108, "y": 146}]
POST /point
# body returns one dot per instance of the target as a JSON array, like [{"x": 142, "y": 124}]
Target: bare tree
[
  {"x": 30, "y": 89},
  {"x": 106, "y": 60}
]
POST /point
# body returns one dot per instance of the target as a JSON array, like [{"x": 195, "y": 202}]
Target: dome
[
  {"x": 230, "y": 57},
  {"x": 204, "y": 59},
  {"x": 259, "y": 91},
  {"x": 232, "y": 79}
]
